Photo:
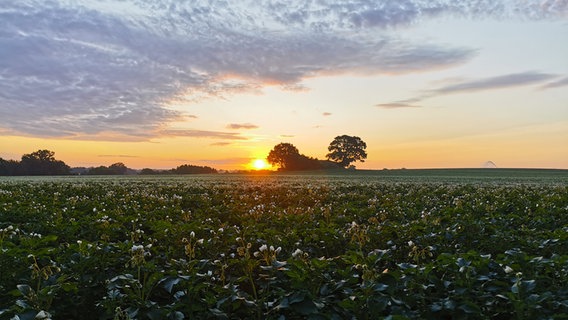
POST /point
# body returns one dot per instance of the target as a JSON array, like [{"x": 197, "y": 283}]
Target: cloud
[
  {"x": 220, "y": 144},
  {"x": 498, "y": 82},
  {"x": 201, "y": 134},
  {"x": 327, "y": 114},
  {"x": 237, "y": 126},
  {"x": 109, "y": 69},
  {"x": 556, "y": 84},
  {"x": 470, "y": 86},
  {"x": 395, "y": 105}
]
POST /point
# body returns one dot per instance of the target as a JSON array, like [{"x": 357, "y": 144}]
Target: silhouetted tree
[
  {"x": 8, "y": 167},
  {"x": 287, "y": 157},
  {"x": 347, "y": 149},
  {"x": 42, "y": 162},
  {"x": 117, "y": 168},
  {"x": 283, "y": 155},
  {"x": 191, "y": 169},
  {"x": 148, "y": 171}
]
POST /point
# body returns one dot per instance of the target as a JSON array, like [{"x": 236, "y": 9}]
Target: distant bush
[{"x": 191, "y": 169}]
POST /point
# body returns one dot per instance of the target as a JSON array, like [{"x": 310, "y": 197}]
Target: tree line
[
  {"x": 343, "y": 151},
  {"x": 43, "y": 163}
]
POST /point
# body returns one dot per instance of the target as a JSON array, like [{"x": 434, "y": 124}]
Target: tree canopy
[
  {"x": 41, "y": 162},
  {"x": 347, "y": 149},
  {"x": 114, "y": 169},
  {"x": 191, "y": 169},
  {"x": 283, "y": 155},
  {"x": 287, "y": 157}
]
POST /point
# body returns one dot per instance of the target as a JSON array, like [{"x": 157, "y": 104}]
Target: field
[{"x": 395, "y": 244}]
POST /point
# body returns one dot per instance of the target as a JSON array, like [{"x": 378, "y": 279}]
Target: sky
[{"x": 160, "y": 83}]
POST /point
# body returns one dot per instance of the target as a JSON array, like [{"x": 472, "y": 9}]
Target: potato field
[{"x": 283, "y": 247}]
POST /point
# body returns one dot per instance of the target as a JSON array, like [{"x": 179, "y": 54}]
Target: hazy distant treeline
[{"x": 43, "y": 163}]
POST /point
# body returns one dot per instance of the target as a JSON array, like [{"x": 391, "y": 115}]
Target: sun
[{"x": 259, "y": 164}]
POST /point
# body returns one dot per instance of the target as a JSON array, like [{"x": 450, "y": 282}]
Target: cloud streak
[
  {"x": 109, "y": 69},
  {"x": 201, "y": 134},
  {"x": 556, "y": 84},
  {"x": 498, "y": 82},
  {"x": 470, "y": 86},
  {"x": 395, "y": 105},
  {"x": 237, "y": 126}
]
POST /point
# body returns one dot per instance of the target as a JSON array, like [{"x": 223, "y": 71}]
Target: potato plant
[{"x": 282, "y": 247}]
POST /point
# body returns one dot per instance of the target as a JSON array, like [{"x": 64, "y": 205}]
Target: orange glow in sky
[{"x": 472, "y": 83}]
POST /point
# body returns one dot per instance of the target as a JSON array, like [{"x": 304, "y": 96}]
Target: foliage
[
  {"x": 347, "y": 149},
  {"x": 282, "y": 155},
  {"x": 191, "y": 169},
  {"x": 287, "y": 157},
  {"x": 118, "y": 168},
  {"x": 282, "y": 247},
  {"x": 39, "y": 163}
]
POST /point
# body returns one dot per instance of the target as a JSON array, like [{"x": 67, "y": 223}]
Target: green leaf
[
  {"x": 283, "y": 304},
  {"x": 377, "y": 304},
  {"x": 169, "y": 283},
  {"x": 405, "y": 266},
  {"x": 528, "y": 285},
  {"x": 305, "y": 307},
  {"x": 463, "y": 263},
  {"x": 24, "y": 289},
  {"x": 216, "y": 312},
  {"x": 470, "y": 308},
  {"x": 380, "y": 287},
  {"x": 30, "y": 315},
  {"x": 297, "y": 297},
  {"x": 515, "y": 288}
]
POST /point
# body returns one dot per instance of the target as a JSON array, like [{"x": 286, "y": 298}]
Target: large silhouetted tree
[
  {"x": 347, "y": 149},
  {"x": 42, "y": 162},
  {"x": 283, "y": 155}
]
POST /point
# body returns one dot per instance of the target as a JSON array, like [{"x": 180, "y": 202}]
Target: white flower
[
  {"x": 200, "y": 241},
  {"x": 277, "y": 251},
  {"x": 192, "y": 234},
  {"x": 263, "y": 248},
  {"x": 410, "y": 243},
  {"x": 79, "y": 242},
  {"x": 508, "y": 269},
  {"x": 43, "y": 315},
  {"x": 297, "y": 253}
]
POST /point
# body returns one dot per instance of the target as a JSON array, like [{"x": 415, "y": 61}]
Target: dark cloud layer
[{"x": 88, "y": 69}]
